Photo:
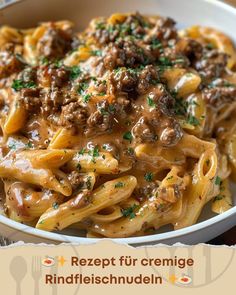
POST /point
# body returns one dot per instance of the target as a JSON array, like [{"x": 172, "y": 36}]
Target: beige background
[{"x": 213, "y": 272}]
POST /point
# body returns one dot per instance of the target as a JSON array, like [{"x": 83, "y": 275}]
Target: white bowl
[{"x": 187, "y": 12}]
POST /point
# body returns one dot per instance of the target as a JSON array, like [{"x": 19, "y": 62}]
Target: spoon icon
[{"x": 18, "y": 269}]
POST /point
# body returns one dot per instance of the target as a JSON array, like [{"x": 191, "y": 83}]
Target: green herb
[
  {"x": 82, "y": 87},
  {"x": 208, "y": 162},
  {"x": 75, "y": 72},
  {"x": 111, "y": 108},
  {"x": 87, "y": 97},
  {"x": 100, "y": 26},
  {"x": 78, "y": 166},
  {"x": 129, "y": 212},
  {"x": 218, "y": 180},
  {"x": 218, "y": 198},
  {"x": 151, "y": 102},
  {"x": 101, "y": 93},
  {"x": 130, "y": 151},
  {"x": 169, "y": 178},
  {"x": 119, "y": 184},
  {"x": 210, "y": 46},
  {"x": 96, "y": 52},
  {"x": 156, "y": 44},
  {"x": 128, "y": 136},
  {"x": 44, "y": 60},
  {"x": 20, "y": 84},
  {"x": 58, "y": 63},
  {"x": 165, "y": 61},
  {"x": 88, "y": 183},
  {"x": 192, "y": 120},
  {"x": 148, "y": 176},
  {"x": 82, "y": 151},
  {"x": 29, "y": 145},
  {"x": 55, "y": 205},
  {"x": 94, "y": 153},
  {"x": 12, "y": 146},
  {"x": 180, "y": 107}
]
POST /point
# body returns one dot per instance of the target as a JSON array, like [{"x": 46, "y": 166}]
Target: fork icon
[{"x": 36, "y": 273}]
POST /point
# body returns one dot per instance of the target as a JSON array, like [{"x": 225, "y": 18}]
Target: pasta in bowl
[{"x": 117, "y": 130}]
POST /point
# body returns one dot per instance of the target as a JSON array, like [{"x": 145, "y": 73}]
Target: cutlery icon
[
  {"x": 36, "y": 273},
  {"x": 18, "y": 269}
]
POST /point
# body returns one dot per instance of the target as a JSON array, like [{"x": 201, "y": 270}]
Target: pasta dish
[{"x": 117, "y": 130}]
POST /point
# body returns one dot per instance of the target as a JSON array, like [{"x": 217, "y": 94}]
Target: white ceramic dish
[{"x": 187, "y": 12}]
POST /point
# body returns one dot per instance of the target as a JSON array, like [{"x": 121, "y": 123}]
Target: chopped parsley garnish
[
  {"x": 218, "y": 180},
  {"x": 130, "y": 151},
  {"x": 151, "y": 102},
  {"x": 55, "y": 205},
  {"x": 87, "y": 97},
  {"x": 170, "y": 177},
  {"x": 192, "y": 120},
  {"x": 101, "y": 94},
  {"x": 94, "y": 153},
  {"x": 82, "y": 87},
  {"x": 129, "y": 212},
  {"x": 44, "y": 60},
  {"x": 156, "y": 44},
  {"x": 12, "y": 146},
  {"x": 128, "y": 136},
  {"x": 165, "y": 61},
  {"x": 75, "y": 72},
  {"x": 82, "y": 151},
  {"x": 29, "y": 145},
  {"x": 119, "y": 184},
  {"x": 88, "y": 183},
  {"x": 218, "y": 198},
  {"x": 180, "y": 107},
  {"x": 148, "y": 176},
  {"x": 19, "y": 84},
  {"x": 96, "y": 52},
  {"x": 78, "y": 166}
]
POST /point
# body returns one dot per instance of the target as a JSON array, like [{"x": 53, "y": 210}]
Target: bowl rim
[
  {"x": 52, "y": 236},
  {"x": 158, "y": 237}
]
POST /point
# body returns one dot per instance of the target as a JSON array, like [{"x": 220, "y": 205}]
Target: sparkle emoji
[
  {"x": 61, "y": 260},
  {"x": 172, "y": 279}
]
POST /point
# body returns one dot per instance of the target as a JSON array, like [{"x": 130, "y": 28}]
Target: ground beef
[
  {"x": 30, "y": 98},
  {"x": 220, "y": 93},
  {"x": 190, "y": 48},
  {"x": 73, "y": 115},
  {"x": 143, "y": 131},
  {"x": 10, "y": 63},
  {"x": 77, "y": 182},
  {"x": 147, "y": 77},
  {"x": 133, "y": 25},
  {"x": 211, "y": 65},
  {"x": 55, "y": 43},
  {"x": 171, "y": 132},
  {"x": 28, "y": 75},
  {"x": 142, "y": 193},
  {"x": 52, "y": 100},
  {"x": 165, "y": 29},
  {"x": 162, "y": 99},
  {"x": 125, "y": 54},
  {"x": 52, "y": 76},
  {"x": 100, "y": 121},
  {"x": 123, "y": 80}
]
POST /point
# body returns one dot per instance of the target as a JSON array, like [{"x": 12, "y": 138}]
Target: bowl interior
[{"x": 185, "y": 12}]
